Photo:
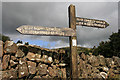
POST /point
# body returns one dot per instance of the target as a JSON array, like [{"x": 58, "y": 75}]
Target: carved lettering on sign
[
  {"x": 47, "y": 31},
  {"x": 91, "y": 22}
]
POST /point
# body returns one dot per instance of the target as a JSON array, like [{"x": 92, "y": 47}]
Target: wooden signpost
[
  {"x": 91, "y": 22},
  {"x": 66, "y": 32},
  {"x": 46, "y": 31}
]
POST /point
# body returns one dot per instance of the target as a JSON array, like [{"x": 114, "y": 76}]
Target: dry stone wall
[
  {"x": 29, "y": 62},
  {"x": 90, "y": 66},
  {"x": 33, "y": 62}
]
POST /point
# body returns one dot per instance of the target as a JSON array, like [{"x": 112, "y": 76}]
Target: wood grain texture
[
  {"x": 73, "y": 48},
  {"x": 46, "y": 31}
]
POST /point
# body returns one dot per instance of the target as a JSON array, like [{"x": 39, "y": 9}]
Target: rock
[
  {"x": 1, "y": 48},
  {"x": 12, "y": 73},
  {"x": 37, "y": 77},
  {"x": 61, "y": 51},
  {"x": 12, "y": 63},
  {"x": 82, "y": 64},
  {"x": 56, "y": 61},
  {"x": 45, "y": 77},
  {"x": 95, "y": 75},
  {"x": 31, "y": 67},
  {"x": 62, "y": 64},
  {"x": 78, "y": 59},
  {"x": 116, "y": 71},
  {"x": 84, "y": 75},
  {"x": 54, "y": 66},
  {"x": 23, "y": 69},
  {"x": 109, "y": 62},
  {"x": 110, "y": 73},
  {"x": 50, "y": 60},
  {"x": 101, "y": 60},
  {"x": 31, "y": 56},
  {"x": 116, "y": 60},
  {"x": 64, "y": 73},
  {"x": 83, "y": 56},
  {"x": 95, "y": 70},
  {"x": 41, "y": 69},
  {"x": 105, "y": 69},
  {"x": 5, "y": 74},
  {"x": 103, "y": 75},
  {"x": 14, "y": 58},
  {"x": 52, "y": 72},
  {"x": 56, "y": 58},
  {"x": 6, "y": 59},
  {"x": 44, "y": 58},
  {"x": 59, "y": 73},
  {"x": 19, "y": 53},
  {"x": 93, "y": 60},
  {"x": 88, "y": 68},
  {"x": 38, "y": 57},
  {"x": 20, "y": 44},
  {"x": 10, "y": 47}
]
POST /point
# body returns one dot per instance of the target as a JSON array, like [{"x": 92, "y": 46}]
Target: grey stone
[
  {"x": 116, "y": 61},
  {"x": 83, "y": 56},
  {"x": 61, "y": 51},
  {"x": 104, "y": 75},
  {"x": 110, "y": 73},
  {"x": 38, "y": 57},
  {"x": 64, "y": 73},
  {"x": 41, "y": 69},
  {"x": 12, "y": 73},
  {"x": 109, "y": 62},
  {"x": 95, "y": 75},
  {"x": 23, "y": 69},
  {"x": 19, "y": 53},
  {"x": 95, "y": 70},
  {"x": 44, "y": 58},
  {"x": 10, "y": 47},
  {"x": 52, "y": 72},
  {"x": 31, "y": 67},
  {"x": 93, "y": 60},
  {"x": 6, "y": 59},
  {"x": 37, "y": 77},
  {"x": 12, "y": 63},
  {"x": 31, "y": 56},
  {"x": 116, "y": 71},
  {"x": 82, "y": 64},
  {"x": 101, "y": 60},
  {"x": 14, "y": 58}
]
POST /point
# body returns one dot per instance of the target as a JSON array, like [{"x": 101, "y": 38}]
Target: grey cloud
[{"x": 56, "y": 15}]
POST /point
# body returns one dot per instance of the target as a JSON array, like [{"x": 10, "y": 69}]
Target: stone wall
[
  {"x": 28, "y": 62},
  {"x": 32, "y": 62},
  {"x": 90, "y": 66}
]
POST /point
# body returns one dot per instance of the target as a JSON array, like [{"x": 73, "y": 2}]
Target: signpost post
[
  {"x": 66, "y": 32},
  {"x": 73, "y": 43}
]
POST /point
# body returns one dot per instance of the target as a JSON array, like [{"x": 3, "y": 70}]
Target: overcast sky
[{"x": 55, "y": 14}]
